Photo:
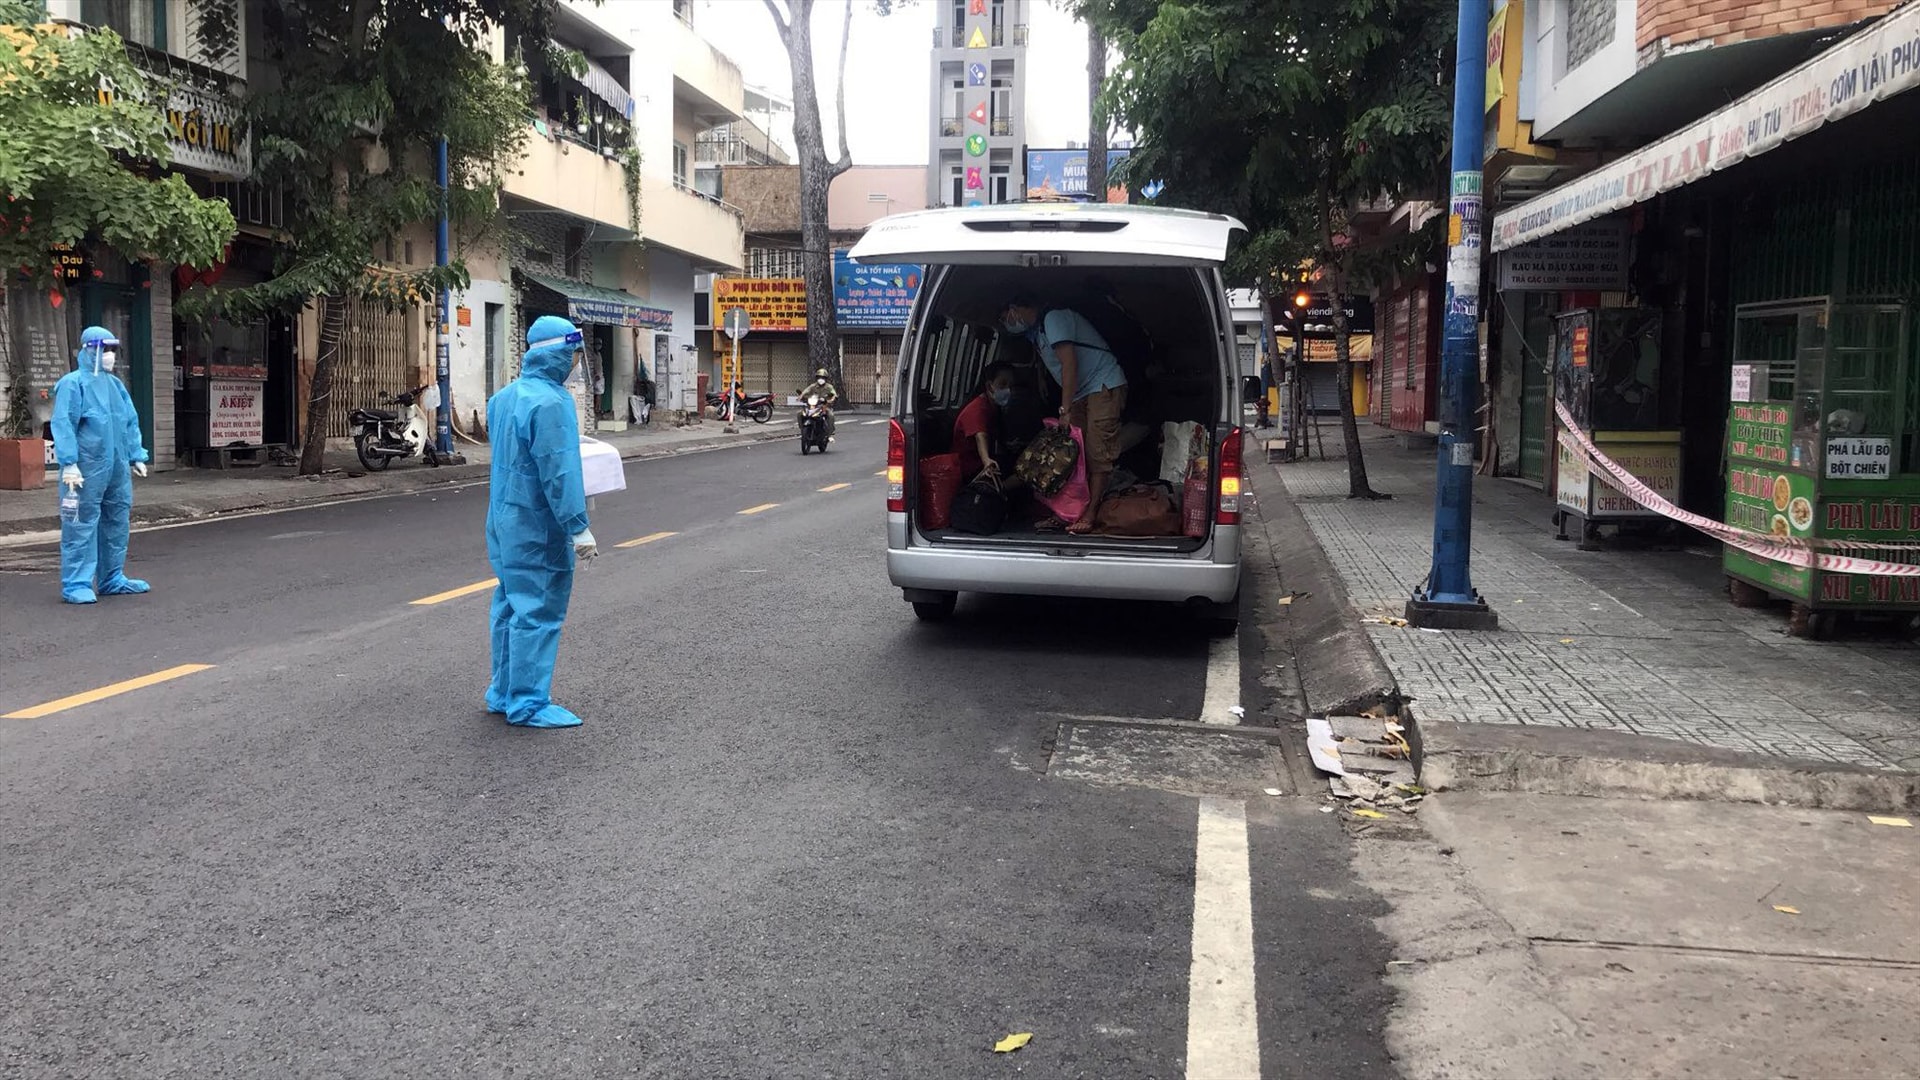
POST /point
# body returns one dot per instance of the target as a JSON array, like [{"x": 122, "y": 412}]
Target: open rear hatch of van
[{"x": 1157, "y": 268}]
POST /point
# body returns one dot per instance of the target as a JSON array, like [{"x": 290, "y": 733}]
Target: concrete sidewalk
[
  {"x": 186, "y": 494},
  {"x": 1579, "y": 937},
  {"x": 1643, "y": 643}
]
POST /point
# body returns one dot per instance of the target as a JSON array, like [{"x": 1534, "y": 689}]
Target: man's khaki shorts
[{"x": 1098, "y": 417}]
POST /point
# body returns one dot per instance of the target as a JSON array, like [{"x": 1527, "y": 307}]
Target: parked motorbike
[
  {"x": 813, "y": 425},
  {"x": 380, "y": 436},
  {"x": 756, "y": 407}
]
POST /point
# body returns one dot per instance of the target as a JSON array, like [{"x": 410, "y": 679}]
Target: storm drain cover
[{"x": 1171, "y": 759}]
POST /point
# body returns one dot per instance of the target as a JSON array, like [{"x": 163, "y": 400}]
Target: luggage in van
[
  {"x": 1141, "y": 510},
  {"x": 981, "y": 507},
  {"x": 939, "y": 481},
  {"x": 1048, "y": 461}
]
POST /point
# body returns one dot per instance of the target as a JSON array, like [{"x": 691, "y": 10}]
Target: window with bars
[{"x": 765, "y": 262}]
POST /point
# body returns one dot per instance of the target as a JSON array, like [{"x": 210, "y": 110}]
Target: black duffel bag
[{"x": 979, "y": 508}]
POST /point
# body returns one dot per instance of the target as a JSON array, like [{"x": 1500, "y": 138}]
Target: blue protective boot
[
  {"x": 549, "y": 716},
  {"x": 495, "y": 705},
  {"x": 79, "y": 595},
  {"x": 122, "y": 585}
]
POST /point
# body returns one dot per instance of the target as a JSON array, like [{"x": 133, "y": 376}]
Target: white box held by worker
[{"x": 600, "y": 468}]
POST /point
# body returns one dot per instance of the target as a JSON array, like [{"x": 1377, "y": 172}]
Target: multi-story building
[
  {"x": 978, "y": 124},
  {"x": 871, "y": 311},
  {"x": 1692, "y": 160},
  {"x": 590, "y": 240},
  {"x": 173, "y": 370},
  {"x": 760, "y": 137}
]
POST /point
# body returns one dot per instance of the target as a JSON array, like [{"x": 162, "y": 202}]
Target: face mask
[
  {"x": 108, "y": 359},
  {"x": 820, "y": 382},
  {"x": 1002, "y": 396},
  {"x": 1016, "y": 326}
]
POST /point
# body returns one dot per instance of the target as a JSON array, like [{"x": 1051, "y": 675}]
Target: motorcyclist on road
[{"x": 824, "y": 390}]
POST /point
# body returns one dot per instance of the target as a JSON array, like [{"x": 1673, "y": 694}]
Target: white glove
[
  {"x": 140, "y": 469},
  {"x": 584, "y": 546},
  {"x": 71, "y": 477}
]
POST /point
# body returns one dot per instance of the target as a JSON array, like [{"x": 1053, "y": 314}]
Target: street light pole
[{"x": 1448, "y": 599}]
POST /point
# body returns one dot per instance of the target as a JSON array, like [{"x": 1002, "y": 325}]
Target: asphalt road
[{"x": 800, "y": 835}]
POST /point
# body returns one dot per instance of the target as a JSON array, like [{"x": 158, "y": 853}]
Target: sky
[{"x": 888, "y": 75}]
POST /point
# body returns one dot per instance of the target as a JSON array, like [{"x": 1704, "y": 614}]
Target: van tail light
[
  {"x": 1231, "y": 480},
  {"x": 896, "y": 468}
]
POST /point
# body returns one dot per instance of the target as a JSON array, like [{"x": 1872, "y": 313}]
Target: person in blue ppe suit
[
  {"x": 96, "y": 442},
  {"x": 536, "y": 523}
]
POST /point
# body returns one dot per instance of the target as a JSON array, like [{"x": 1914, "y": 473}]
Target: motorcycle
[
  {"x": 813, "y": 425},
  {"x": 382, "y": 435},
  {"x": 758, "y": 408}
]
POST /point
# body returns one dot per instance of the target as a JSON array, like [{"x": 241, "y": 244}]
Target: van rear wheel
[{"x": 938, "y": 609}]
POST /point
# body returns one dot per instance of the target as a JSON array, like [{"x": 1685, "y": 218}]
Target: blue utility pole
[
  {"x": 1448, "y": 599},
  {"x": 443, "y": 351}
]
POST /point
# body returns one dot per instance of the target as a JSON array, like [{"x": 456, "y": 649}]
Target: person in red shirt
[{"x": 976, "y": 429}]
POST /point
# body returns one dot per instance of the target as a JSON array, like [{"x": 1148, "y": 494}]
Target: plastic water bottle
[{"x": 69, "y": 508}]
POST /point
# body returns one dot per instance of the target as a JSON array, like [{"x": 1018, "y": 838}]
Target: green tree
[
  {"x": 1288, "y": 114},
  {"x": 348, "y": 125},
  {"x": 77, "y": 164}
]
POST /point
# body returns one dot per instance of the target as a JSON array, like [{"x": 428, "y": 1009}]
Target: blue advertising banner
[
  {"x": 1064, "y": 172},
  {"x": 873, "y": 296}
]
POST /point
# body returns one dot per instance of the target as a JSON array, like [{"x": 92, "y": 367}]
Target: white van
[{"x": 1146, "y": 275}]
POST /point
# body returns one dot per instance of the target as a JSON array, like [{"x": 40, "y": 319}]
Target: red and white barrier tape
[{"x": 1784, "y": 549}]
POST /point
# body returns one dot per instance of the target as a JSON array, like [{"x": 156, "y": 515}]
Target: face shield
[
  {"x": 576, "y": 342},
  {"x": 103, "y": 353}
]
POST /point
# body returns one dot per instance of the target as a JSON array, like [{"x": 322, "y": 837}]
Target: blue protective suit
[
  {"x": 537, "y": 504},
  {"x": 95, "y": 427}
]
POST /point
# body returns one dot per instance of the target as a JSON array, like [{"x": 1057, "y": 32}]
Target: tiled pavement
[{"x": 1637, "y": 641}]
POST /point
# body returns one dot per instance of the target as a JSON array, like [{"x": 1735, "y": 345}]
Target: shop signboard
[
  {"x": 236, "y": 412},
  {"x": 1589, "y": 493},
  {"x": 873, "y": 296},
  {"x": 1859, "y": 459},
  {"x": 1064, "y": 172},
  {"x": 1764, "y": 497},
  {"x": 1590, "y": 257},
  {"x": 1868, "y": 67},
  {"x": 205, "y": 131},
  {"x": 778, "y": 304}
]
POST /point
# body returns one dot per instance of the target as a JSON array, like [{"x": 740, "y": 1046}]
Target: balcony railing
[
  {"x": 951, "y": 127},
  {"x": 997, "y": 38},
  {"x": 1002, "y": 125}
]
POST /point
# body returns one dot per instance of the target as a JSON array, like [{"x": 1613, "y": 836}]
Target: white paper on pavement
[
  {"x": 1323, "y": 747},
  {"x": 600, "y": 468}
]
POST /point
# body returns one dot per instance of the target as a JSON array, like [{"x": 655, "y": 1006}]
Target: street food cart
[
  {"x": 1823, "y": 444},
  {"x": 1606, "y": 372}
]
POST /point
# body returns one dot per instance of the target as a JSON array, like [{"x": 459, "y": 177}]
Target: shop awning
[
  {"x": 1868, "y": 67},
  {"x": 590, "y": 305}
]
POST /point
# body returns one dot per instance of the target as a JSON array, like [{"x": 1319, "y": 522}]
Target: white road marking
[
  {"x": 1223, "y": 1028},
  {"x": 1223, "y": 682},
  {"x": 872, "y": 423}
]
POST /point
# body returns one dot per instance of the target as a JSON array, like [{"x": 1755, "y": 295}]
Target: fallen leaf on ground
[
  {"x": 1388, "y": 621},
  {"x": 1786, "y": 910},
  {"x": 1013, "y": 1042},
  {"x": 1368, "y": 814},
  {"x": 1566, "y": 641},
  {"x": 1896, "y": 822},
  {"x": 1291, "y": 597}
]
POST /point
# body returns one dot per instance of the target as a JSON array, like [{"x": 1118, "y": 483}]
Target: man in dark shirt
[{"x": 976, "y": 429}]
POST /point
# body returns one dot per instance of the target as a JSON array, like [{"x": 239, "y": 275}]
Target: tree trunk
[
  {"x": 333, "y": 332},
  {"x": 817, "y": 172},
  {"x": 1096, "y": 117},
  {"x": 1357, "y": 487}
]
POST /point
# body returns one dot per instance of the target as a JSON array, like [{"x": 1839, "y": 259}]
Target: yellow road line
[
  {"x": 762, "y": 508},
  {"x": 648, "y": 539},
  {"x": 835, "y": 487},
  {"x": 455, "y": 594},
  {"x": 91, "y": 696}
]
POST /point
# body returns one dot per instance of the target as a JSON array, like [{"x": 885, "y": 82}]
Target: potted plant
[{"x": 23, "y": 454}]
